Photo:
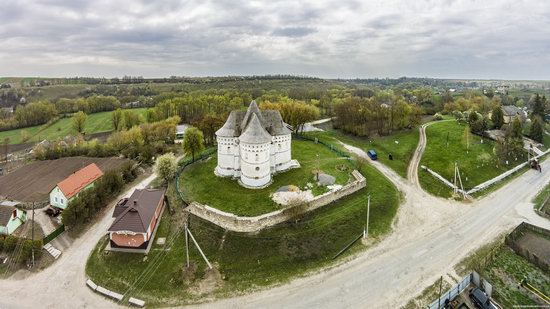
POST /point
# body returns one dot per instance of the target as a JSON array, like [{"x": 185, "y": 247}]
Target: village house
[
  {"x": 253, "y": 145},
  {"x": 136, "y": 221},
  {"x": 11, "y": 217},
  {"x": 511, "y": 111},
  {"x": 180, "y": 132},
  {"x": 70, "y": 187}
]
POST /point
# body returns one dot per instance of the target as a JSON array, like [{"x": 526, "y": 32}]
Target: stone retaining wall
[{"x": 236, "y": 223}]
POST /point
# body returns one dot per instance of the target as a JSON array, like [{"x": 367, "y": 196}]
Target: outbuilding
[{"x": 11, "y": 217}]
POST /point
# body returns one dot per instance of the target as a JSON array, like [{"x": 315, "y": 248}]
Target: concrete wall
[{"x": 235, "y": 223}]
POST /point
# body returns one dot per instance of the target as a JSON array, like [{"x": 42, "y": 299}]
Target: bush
[
  {"x": 438, "y": 116},
  {"x": 10, "y": 243}
]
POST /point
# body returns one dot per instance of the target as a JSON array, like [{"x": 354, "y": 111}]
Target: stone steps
[{"x": 52, "y": 251}]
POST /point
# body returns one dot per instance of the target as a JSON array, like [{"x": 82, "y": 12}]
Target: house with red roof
[
  {"x": 70, "y": 187},
  {"x": 136, "y": 221}
]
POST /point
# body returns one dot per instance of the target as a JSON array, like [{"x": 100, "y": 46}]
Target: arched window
[
  {"x": 229, "y": 149},
  {"x": 257, "y": 157},
  {"x": 279, "y": 146}
]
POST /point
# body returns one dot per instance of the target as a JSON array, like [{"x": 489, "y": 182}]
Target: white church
[{"x": 254, "y": 145}]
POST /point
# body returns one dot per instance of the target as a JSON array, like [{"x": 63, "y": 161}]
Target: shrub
[{"x": 438, "y": 116}]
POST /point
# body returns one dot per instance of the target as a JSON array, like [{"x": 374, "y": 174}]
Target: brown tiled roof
[
  {"x": 136, "y": 213},
  {"x": 5, "y": 214},
  {"x": 79, "y": 180}
]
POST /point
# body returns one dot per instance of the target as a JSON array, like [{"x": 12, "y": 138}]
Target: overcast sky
[{"x": 324, "y": 38}]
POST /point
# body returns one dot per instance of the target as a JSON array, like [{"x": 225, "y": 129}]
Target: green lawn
[
  {"x": 402, "y": 151},
  {"x": 505, "y": 273},
  {"x": 95, "y": 123},
  {"x": 248, "y": 261},
  {"x": 543, "y": 197},
  {"x": 198, "y": 181},
  {"x": 476, "y": 159}
]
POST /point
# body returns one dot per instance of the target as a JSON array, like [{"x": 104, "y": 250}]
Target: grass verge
[{"x": 245, "y": 261}]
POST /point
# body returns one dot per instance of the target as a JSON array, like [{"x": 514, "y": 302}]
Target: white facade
[
  {"x": 252, "y": 146},
  {"x": 58, "y": 199}
]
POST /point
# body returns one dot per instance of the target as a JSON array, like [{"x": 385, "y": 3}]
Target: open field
[
  {"x": 474, "y": 155},
  {"x": 95, "y": 123},
  {"x": 33, "y": 182},
  {"x": 402, "y": 151},
  {"x": 272, "y": 256},
  {"x": 226, "y": 194}
]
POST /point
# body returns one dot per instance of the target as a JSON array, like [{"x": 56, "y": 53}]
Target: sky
[{"x": 499, "y": 39}]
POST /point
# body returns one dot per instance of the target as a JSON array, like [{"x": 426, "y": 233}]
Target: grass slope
[
  {"x": 95, "y": 123},
  {"x": 402, "y": 151},
  {"x": 477, "y": 165},
  {"x": 248, "y": 261},
  {"x": 226, "y": 194}
]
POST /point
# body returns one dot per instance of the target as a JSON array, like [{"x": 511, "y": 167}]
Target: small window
[
  {"x": 229, "y": 149},
  {"x": 257, "y": 157},
  {"x": 62, "y": 202},
  {"x": 257, "y": 168},
  {"x": 279, "y": 145},
  {"x": 56, "y": 199}
]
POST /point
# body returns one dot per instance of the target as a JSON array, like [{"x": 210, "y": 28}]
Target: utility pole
[
  {"x": 186, "y": 245},
  {"x": 366, "y": 229},
  {"x": 32, "y": 234},
  {"x": 439, "y": 296},
  {"x": 200, "y": 250}
]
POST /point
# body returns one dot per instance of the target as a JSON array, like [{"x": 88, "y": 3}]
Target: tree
[
  {"x": 538, "y": 107},
  {"x": 166, "y": 166},
  {"x": 130, "y": 119},
  {"x": 497, "y": 117},
  {"x": 79, "y": 121},
  {"x": 116, "y": 119},
  {"x": 537, "y": 130},
  {"x": 516, "y": 130},
  {"x": 193, "y": 142}
]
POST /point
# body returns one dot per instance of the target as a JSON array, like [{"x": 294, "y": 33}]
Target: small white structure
[
  {"x": 253, "y": 145},
  {"x": 180, "y": 132},
  {"x": 70, "y": 187}
]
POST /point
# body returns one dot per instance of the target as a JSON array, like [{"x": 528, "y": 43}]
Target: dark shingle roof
[
  {"x": 136, "y": 213},
  {"x": 511, "y": 110},
  {"x": 237, "y": 122},
  {"x": 254, "y": 133},
  {"x": 5, "y": 214}
]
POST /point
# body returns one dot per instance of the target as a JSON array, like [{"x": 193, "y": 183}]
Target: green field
[
  {"x": 402, "y": 151},
  {"x": 95, "y": 123},
  {"x": 231, "y": 197},
  {"x": 476, "y": 159},
  {"x": 247, "y": 261}
]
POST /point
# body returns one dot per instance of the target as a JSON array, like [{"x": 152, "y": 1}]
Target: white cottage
[
  {"x": 253, "y": 145},
  {"x": 70, "y": 187}
]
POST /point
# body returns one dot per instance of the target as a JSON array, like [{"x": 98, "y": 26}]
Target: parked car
[
  {"x": 52, "y": 211},
  {"x": 372, "y": 154},
  {"x": 480, "y": 299}
]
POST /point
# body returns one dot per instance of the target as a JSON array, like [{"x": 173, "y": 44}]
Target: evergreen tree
[
  {"x": 538, "y": 107},
  {"x": 536, "y": 132},
  {"x": 497, "y": 117}
]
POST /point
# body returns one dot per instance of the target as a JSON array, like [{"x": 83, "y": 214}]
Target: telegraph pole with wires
[
  {"x": 366, "y": 228},
  {"x": 186, "y": 245},
  {"x": 32, "y": 234}
]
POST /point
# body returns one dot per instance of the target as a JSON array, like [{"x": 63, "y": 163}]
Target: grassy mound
[{"x": 198, "y": 182}]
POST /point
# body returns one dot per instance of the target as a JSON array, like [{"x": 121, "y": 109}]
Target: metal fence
[
  {"x": 54, "y": 234},
  {"x": 452, "y": 293}
]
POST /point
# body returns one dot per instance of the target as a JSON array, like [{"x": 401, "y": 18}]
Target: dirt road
[{"x": 430, "y": 236}]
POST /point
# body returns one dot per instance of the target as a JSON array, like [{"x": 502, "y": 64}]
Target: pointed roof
[
  {"x": 228, "y": 129},
  {"x": 255, "y": 133},
  {"x": 253, "y": 109},
  {"x": 73, "y": 184}
]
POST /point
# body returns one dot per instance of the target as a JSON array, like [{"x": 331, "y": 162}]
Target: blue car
[{"x": 372, "y": 154}]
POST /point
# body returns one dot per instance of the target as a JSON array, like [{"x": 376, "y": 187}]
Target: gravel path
[{"x": 430, "y": 236}]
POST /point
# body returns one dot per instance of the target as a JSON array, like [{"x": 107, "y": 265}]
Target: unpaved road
[{"x": 430, "y": 236}]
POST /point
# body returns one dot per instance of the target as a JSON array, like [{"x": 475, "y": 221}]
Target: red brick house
[{"x": 136, "y": 221}]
